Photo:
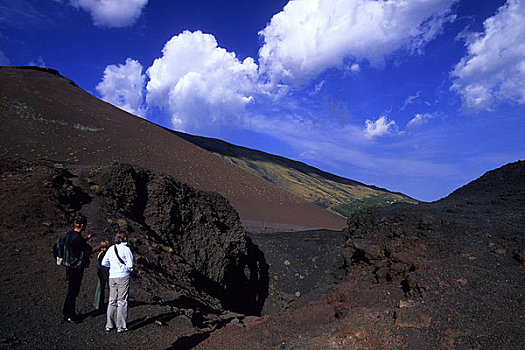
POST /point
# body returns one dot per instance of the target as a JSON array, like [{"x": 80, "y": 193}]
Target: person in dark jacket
[{"x": 76, "y": 258}]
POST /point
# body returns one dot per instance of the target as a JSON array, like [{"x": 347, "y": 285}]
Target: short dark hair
[{"x": 80, "y": 221}]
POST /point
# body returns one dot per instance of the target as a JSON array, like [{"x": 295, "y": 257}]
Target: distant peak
[{"x": 41, "y": 69}]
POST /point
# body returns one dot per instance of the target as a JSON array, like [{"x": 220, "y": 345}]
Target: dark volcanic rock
[
  {"x": 303, "y": 266},
  {"x": 200, "y": 227},
  {"x": 393, "y": 246},
  {"x": 443, "y": 275},
  {"x": 37, "y": 192},
  {"x": 456, "y": 256},
  {"x": 504, "y": 186},
  {"x": 187, "y": 243}
]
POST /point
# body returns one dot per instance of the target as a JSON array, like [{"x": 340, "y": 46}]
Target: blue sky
[{"x": 416, "y": 96}]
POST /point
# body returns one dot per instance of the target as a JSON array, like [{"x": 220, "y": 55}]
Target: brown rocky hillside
[
  {"x": 444, "y": 275},
  {"x": 43, "y": 115},
  {"x": 441, "y": 275}
]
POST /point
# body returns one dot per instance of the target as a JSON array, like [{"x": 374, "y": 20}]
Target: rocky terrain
[
  {"x": 444, "y": 275},
  {"x": 190, "y": 246},
  {"x": 196, "y": 268},
  {"x": 441, "y": 275}
]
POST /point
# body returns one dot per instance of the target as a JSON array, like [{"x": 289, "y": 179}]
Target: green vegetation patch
[{"x": 347, "y": 209}]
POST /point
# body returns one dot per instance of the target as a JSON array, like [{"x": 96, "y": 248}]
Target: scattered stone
[
  {"x": 496, "y": 248},
  {"x": 370, "y": 251},
  {"x": 405, "y": 303},
  {"x": 360, "y": 310},
  {"x": 500, "y": 251},
  {"x": 287, "y": 297},
  {"x": 411, "y": 318},
  {"x": 416, "y": 284},
  {"x": 520, "y": 257},
  {"x": 351, "y": 330},
  {"x": 462, "y": 281},
  {"x": 252, "y": 321},
  {"x": 231, "y": 315},
  {"x": 447, "y": 342},
  {"x": 235, "y": 321}
]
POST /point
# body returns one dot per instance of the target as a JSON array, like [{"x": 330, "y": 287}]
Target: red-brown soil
[
  {"x": 447, "y": 275},
  {"x": 444, "y": 275},
  {"x": 46, "y": 116}
]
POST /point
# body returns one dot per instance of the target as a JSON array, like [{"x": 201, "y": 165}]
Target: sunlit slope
[
  {"x": 321, "y": 188},
  {"x": 44, "y": 115}
]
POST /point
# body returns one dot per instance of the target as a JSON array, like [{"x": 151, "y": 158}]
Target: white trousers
[{"x": 118, "y": 302}]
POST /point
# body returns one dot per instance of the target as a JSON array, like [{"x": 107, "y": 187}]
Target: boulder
[{"x": 200, "y": 227}]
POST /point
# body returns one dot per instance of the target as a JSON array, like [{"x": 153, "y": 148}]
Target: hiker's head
[
  {"x": 80, "y": 223},
  {"x": 120, "y": 237},
  {"x": 104, "y": 245}
]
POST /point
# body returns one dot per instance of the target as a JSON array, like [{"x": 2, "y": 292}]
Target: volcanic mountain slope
[
  {"x": 321, "y": 188},
  {"x": 193, "y": 259},
  {"x": 444, "y": 275},
  {"x": 46, "y": 116}
]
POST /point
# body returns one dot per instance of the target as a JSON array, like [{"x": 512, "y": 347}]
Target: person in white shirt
[{"x": 120, "y": 262}]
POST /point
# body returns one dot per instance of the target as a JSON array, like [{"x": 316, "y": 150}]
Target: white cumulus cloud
[
  {"x": 494, "y": 68},
  {"x": 123, "y": 86},
  {"x": 310, "y": 36},
  {"x": 199, "y": 82},
  {"x": 112, "y": 13},
  {"x": 380, "y": 127}
]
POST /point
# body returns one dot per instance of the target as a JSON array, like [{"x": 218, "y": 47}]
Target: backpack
[{"x": 58, "y": 251}]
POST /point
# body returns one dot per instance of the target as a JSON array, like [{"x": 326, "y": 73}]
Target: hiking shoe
[{"x": 122, "y": 330}]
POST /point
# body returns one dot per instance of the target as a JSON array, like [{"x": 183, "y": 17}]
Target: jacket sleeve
[
  {"x": 81, "y": 245},
  {"x": 129, "y": 259},
  {"x": 105, "y": 261}
]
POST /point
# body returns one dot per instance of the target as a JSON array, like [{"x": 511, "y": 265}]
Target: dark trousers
[
  {"x": 100, "y": 292},
  {"x": 74, "y": 280}
]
